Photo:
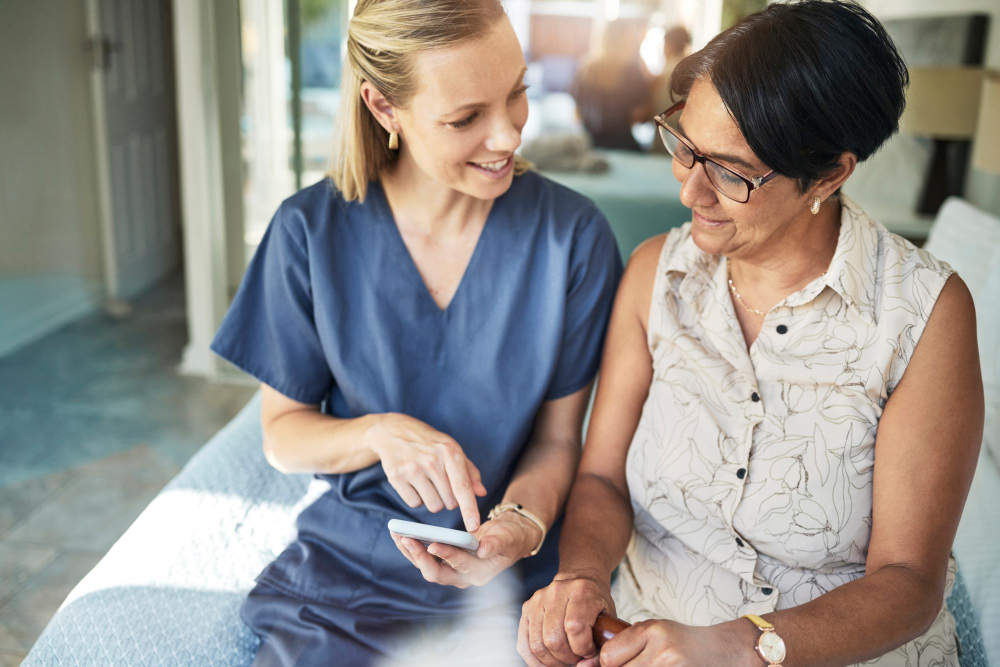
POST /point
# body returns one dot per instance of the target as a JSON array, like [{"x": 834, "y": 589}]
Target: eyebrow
[
  {"x": 480, "y": 105},
  {"x": 720, "y": 156}
]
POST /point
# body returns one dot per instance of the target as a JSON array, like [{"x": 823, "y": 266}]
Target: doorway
[{"x": 88, "y": 182}]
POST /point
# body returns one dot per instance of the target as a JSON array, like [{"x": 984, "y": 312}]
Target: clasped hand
[{"x": 557, "y": 629}]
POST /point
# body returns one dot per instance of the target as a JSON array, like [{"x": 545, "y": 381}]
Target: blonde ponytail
[{"x": 361, "y": 145}]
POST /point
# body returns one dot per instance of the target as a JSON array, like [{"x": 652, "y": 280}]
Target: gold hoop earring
[
  {"x": 814, "y": 209},
  {"x": 393, "y": 141}
]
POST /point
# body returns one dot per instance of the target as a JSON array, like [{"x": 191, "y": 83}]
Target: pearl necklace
[{"x": 732, "y": 288}]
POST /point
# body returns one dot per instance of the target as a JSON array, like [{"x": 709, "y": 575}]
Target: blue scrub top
[{"x": 333, "y": 310}]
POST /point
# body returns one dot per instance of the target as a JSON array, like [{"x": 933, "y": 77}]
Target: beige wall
[{"x": 48, "y": 206}]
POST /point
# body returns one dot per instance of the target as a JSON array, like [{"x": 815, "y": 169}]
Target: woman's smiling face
[
  {"x": 463, "y": 123},
  {"x": 721, "y": 225}
]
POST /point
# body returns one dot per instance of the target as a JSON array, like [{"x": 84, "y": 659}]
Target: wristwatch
[
  {"x": 530, "y": 516},
  {"x": 770, "y": 646}
]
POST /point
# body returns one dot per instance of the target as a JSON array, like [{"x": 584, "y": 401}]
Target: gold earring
[
  {"x": 393, "y": 141},
  {"x": 814, "y": 209}
]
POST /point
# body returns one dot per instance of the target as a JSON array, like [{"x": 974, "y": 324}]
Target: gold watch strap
[
  {"x": 530, "y": 516},
  {"x": 758, "y": 621},
  {"x": 767, "y": 634}
]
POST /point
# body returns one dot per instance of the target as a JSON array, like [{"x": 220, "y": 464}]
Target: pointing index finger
[{"x": 461, "y": 485}]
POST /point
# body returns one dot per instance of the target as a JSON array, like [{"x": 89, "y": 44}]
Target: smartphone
[{"x": 428, "y": 534}]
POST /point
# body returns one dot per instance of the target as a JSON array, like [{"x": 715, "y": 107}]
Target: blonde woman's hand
[
  {"x": 502, "y": 542},
  {"x": 425, "y": 466}
]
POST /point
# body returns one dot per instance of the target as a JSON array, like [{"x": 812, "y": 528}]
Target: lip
[
  {"x": 495, "y": 175},
  {"x": 708, "y": 222}
]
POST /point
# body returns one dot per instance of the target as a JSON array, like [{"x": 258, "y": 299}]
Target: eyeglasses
[{"x": 730, "y": 183}]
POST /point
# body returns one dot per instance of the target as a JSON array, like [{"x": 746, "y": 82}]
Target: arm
[
  {"x": 540, "y": 483},
  {"x": 928, "y": 443},
  {"x": 425, "y": 466},
  {"x": 598, "y": 521},
  {"x": 543, "y": 477},
  {"x": 556, "y": 623},
  {"x": 298, "y": 438}
]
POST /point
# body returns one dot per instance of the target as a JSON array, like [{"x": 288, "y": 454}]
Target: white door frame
[{"x": 201, "y": 180}]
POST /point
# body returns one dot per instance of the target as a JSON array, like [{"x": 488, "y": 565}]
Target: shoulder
[
  {"x": 533, "y": 189},
  {"x": 901, "y": 256},
  {"x": 909, "y": 274},
  {"x": 657, "y": 254},
  {"x": 954, "y": 314},
  {"x": 888, "y": 279},
  {"x": 565, "y": 211},
  {"x": 640, "y": 278},
  {"x": 646, "y": 257},
  {"x": 311, "y": 211}
]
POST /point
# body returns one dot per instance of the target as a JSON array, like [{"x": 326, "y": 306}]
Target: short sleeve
[
  {"x": 595, "y": 270},
  {"x": 269, "y": 330}
]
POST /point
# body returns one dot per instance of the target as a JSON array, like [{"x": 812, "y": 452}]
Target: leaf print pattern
[{"x": 750, "y": 506}]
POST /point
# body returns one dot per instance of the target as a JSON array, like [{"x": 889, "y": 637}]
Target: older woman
[
  {"x": 790, "y": 406},
  {"x": 426, "y": 325}
]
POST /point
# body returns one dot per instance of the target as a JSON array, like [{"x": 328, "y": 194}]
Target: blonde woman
[{"x": 426, "y": 325}]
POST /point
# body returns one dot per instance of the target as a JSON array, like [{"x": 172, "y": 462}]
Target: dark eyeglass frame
[{"x": 751, "y": 183}]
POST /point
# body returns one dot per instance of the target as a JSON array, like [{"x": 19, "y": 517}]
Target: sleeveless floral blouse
[{"x": 751, "y": 470}]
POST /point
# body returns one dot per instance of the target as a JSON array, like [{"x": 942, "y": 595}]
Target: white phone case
[{"x": 428, "y": 534}]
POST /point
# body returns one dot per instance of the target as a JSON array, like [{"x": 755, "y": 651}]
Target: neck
[
  {"x": 423, "y": 205},
  {"x": 804, "y": 252}
]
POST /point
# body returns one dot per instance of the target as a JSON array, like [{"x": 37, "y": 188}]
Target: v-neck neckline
[{"x": 390, "y": 219}]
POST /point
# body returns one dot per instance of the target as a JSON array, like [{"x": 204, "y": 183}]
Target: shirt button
[
  {"x": 739, "y": 542},
  {"x": 754, "y": 397},
  {"x": 741, "y": 473},
  {"x": 767, "y": 591},
  {"x": 782, "y": 329}
]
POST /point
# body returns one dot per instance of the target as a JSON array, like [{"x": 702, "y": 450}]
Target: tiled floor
[{"x": 94, "y": 420}]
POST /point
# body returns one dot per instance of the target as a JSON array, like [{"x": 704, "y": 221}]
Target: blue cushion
[{"x": 970, "y": 639}]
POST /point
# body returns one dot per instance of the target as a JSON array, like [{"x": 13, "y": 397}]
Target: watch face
[{"x": 772, "y": 647}]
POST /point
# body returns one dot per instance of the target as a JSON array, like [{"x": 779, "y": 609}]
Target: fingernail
[
  {"x": 432, "y": 551},
  {"x": 410, "y": 547}
]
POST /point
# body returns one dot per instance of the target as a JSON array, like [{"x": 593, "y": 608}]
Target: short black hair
[{"x": 805, "y": 81}]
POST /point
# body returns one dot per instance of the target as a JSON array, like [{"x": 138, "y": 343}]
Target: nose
[
  {"x": 504, "y": 137},
  {"x": 696, "y": 189}
]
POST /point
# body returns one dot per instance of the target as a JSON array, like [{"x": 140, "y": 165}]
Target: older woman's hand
[
  {"x": 670, "y": 644},
  {"x": 557, "y": 622},
  {"x": 502, "y": 542}
]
